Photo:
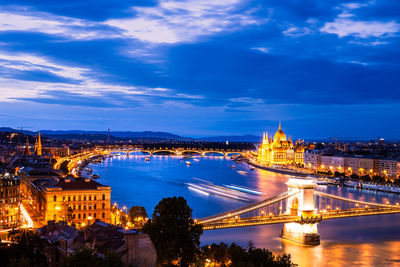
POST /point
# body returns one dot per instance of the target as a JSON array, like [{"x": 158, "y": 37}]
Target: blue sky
[{"x": 202, "y": 67}]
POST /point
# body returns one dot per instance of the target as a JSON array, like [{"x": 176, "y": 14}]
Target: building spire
[
  {"x": 280, "y": 128},
  {"x": 39, "y": 146},
  {"x": 27, "y": 152}
]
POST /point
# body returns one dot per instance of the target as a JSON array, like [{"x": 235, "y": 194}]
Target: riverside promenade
[{"x": 281, "y": 170}]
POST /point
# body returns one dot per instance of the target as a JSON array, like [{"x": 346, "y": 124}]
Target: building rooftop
[
  {"x": 78, "y": 184},
  {"x": 67, "y": 184},
  {"x": 52, "y": 231},
  {"x": 105, "y": 237}
]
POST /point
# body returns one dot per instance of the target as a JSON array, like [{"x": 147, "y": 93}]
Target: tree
[
  {"x": 173, "y": 232},
  {"x": 26, "y": 249},
  {"x": 83, "y": 258},
  {"x": 354, "y": 176},
  {"x": 137, "y": 215},
  {"x": 88, "y": 258},
  {"x": 237, "y": 256},
  {"x": 30, "y": 246},
  {"x": 366, "y": 178},
  {"x": 112, "y": 259},
  {"x": 64, "y": 167}
]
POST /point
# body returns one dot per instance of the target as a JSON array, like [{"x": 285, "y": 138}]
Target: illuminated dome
[{"x": 279, "y": 135}]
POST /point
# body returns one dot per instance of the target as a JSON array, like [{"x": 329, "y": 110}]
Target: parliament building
[{"x": 279, "y": 150}]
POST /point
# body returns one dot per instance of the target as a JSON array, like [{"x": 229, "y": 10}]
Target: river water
[{"x": 361, "y": 241}]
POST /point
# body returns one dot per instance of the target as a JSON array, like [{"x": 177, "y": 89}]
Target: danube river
[{"x": 361, "y": 241}]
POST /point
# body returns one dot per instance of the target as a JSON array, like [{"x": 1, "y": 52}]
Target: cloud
[
  {"x": 296, "y": 31},
  {"x": 362, "y": 29},
  {"x": 79, "y": 85},
  {"x": 23, "y": 19},
  {"x": 30, "y": 62},
  {"x": 183, "y": 21},
  {"x": 168, "y": 22},
  {"x": 264, "y": 50},
  {"x": 348, "y": 23}
]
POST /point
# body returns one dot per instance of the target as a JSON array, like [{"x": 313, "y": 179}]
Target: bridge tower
[{"x": 301, "y": 204}]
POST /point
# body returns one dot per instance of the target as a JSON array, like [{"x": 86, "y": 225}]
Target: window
[
  {"x": 90, "y": 206},
  {"x": 104, "y": 197},
  {"x": 103, "y": 206},
  {"x": 54, "y": 198},
  {"x": 94, "y": 215},
  {"x": 74, "y": 198},
  {"x": 79, "y": 198},
  {"x": 84, "y": 215},
  {"x": 79, "y": 207},
  {"x": 69, "y": 198},
  {"x": 84, "y": 198},
  {"x": 95, "y": 198},
  {"x": 103, "y": 215},
  {"x": 79, "y": 216},
  {"x": 84, "y": 207},
  {"x": 95, "y": 206},
  {"x": 90, "y": 198},
  {"x": 63, "y": 198}
]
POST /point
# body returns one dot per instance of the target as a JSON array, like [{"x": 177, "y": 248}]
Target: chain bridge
[{"x": 300, "y": 209}]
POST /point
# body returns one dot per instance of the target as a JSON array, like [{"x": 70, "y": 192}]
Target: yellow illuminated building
[
  {"x": 10, "y": 200},
  {"x": 38, "y": 146},
  {"x": 75, "y": 200},
  {"x": 279, "y": 150}
]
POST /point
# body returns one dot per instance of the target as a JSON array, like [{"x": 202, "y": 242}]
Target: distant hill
[
  {"x": 233, "y": 138},
  {"x": 130, "y": 135},
  {"x": 127, "y": 134}
]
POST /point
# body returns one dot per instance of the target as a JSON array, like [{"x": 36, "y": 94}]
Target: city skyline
[{"x": 202, "y": 68}]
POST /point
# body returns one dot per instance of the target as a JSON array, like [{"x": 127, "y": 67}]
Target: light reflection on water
[{"x": 361, "y": 241}]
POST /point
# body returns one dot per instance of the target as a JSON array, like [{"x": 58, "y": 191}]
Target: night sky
[{"x": 202, "y": 67}]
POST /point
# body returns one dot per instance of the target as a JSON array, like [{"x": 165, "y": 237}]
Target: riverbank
[
  {"x": 280, "y": 170},
  {"x": 388, "y": 188}
]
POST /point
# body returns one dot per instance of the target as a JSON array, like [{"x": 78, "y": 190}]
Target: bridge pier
[
  {"x": 302, "y": 205},
  {"x": 306, "y": 234}
]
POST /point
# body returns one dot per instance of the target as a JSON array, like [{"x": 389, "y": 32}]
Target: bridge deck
[{"x": 265, "y": 220}]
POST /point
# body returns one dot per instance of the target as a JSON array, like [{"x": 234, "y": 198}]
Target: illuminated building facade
[
  {"x": 75, "y": 200},
  {"x": 389, "y": 168},
  {"x": 38, "y": 146},
  {"x": 279, "y": 150},
  {"x": 317, "y": 161},
  {"x": 10, "y": 200}
]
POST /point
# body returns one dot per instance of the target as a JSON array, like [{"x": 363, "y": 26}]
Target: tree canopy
[
  {"x": 88, "y": 258},
  {"x": 237, "y": 256},
  {"x": 173, "y": 232},
  {"x": 137, "y": 215},
  {"x": 27, "y": 249}
]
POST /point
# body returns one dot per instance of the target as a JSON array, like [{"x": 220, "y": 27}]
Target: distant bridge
[
  {"x": 181, "y": 151},
  {"x": 300, "y": 209}
]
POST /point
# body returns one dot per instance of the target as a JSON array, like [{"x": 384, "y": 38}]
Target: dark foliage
[
  {"x": 27, "y": 249},
  {"x": 237, "y": 256},
  {"x": 64, "y": 167},
  {"x": 87, "y": 258},
  {"x": 173, "y": 232}
]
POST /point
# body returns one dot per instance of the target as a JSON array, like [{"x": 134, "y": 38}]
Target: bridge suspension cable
[
  {"x": 322, "y": 194},
  {"x": 248, "y": 208}
]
